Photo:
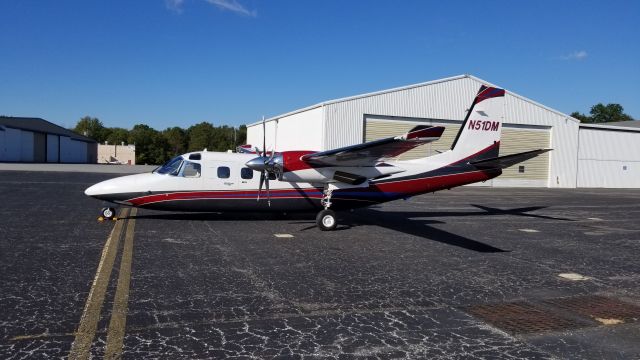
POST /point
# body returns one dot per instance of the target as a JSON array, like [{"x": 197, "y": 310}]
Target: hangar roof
[
  {"x": 631, "y": 123},
  {"x": 616, "y": 126},
  {"x": 40, "y": 125},
  {"x": 407, "y": 87}
]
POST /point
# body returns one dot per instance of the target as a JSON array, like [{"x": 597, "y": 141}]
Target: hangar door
[{"x": 514, "y": 139}]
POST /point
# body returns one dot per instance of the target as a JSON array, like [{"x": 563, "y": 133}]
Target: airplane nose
[{"x": 92, "y": 190}]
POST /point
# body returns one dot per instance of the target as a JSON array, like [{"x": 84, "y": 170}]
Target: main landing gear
[{"x": 326, "y": 219}]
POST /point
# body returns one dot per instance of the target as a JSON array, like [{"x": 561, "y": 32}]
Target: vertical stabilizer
[{"x": 479, "y": 135}]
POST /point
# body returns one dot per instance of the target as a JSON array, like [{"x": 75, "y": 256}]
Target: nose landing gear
[{"x": 107, "y": 213}]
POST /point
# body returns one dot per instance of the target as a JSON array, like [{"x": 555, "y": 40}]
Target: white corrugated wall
[
  {"x": 608, "y": 158},
  {"x": 298, "y": 131}
]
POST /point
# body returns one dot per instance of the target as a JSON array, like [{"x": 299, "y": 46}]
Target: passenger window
[
  {"x": 191, "y": 169},
  {"x": 224, "y": 172},
  {"x": 246, "y": 173}
]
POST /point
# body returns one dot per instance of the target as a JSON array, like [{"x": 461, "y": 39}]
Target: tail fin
[{"x": 479, "y": 135}]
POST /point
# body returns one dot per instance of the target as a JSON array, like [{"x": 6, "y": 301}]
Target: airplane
[{"x": 339, "y": 179}]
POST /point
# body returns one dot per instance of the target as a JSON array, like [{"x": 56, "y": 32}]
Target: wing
[{"x": 372, "y": 152}]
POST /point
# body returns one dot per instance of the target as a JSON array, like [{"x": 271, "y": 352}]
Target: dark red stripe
[
  {"x": 488, "y": 93},
  {"x": 431, "y": 132}
]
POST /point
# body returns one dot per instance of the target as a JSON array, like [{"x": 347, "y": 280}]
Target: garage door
[{"x": 515, "y": 139}]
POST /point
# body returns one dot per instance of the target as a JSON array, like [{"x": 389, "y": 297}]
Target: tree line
[
  {"x": 156, "y": 147},
  {"x": 601, "y": 113}
]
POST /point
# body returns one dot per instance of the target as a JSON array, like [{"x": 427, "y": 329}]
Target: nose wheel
[{"x": 107, "y": 213}]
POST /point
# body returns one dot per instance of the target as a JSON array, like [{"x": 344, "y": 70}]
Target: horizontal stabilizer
[{"x": 503, "y": 162}]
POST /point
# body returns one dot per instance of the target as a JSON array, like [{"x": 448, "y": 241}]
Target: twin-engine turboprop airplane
[{"x": 344, "y": 178}]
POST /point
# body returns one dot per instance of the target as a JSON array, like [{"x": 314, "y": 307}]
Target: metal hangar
[
  {"x": 36, "y": 140},
  {"x": 527, "y": 125}
]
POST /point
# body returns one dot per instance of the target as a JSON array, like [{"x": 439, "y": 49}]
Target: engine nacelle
[{"x": 294, "y": 169}]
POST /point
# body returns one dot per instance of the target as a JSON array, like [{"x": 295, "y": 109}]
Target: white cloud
[
  {"x": 233, "y": 6},
  {"x": 174, "y": 5},
  {"x": 576, "y": 55}
]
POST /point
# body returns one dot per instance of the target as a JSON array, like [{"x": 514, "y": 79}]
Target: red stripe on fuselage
[
  {"x": 396, "y": 189},
  {"x": 236, "y": 194}
]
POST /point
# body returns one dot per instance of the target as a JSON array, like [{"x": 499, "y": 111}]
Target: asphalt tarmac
[{"x": 467, "y": 273}]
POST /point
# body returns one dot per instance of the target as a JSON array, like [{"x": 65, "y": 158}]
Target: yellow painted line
[
  {"x": 81, "y": 347},
  {"x": 115, "y": 334}
]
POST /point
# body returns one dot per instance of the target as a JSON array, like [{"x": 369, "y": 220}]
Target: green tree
[
  {"x": 201, "y": 136},
  {"x": 241, "y": 135},
  {"x": 151, "y": 146},
  {"x": 117, "y": 135},
  {"x": 608, "y": 113},
  {"x": 90, "y": 127},
  {"x": 582, "y": 117},
  {"x": 222, "y": 138},
  {"x": 601, "y": 113},
  {"x": 177, "y": 139}
]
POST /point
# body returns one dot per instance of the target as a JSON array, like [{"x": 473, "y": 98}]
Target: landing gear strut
[{"x": 326, "y": 219}]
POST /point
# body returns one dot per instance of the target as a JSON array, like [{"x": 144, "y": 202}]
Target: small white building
[
  {"x": 528, "y": 125},
  {"x": 116, "y": 154},
  {"x": 36, "y": 140}
]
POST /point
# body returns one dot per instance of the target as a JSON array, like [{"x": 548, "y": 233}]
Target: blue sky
[{"x": 176, "y": 63}]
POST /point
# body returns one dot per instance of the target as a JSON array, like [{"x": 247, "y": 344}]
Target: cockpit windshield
[{"x": 171, "y": 167}]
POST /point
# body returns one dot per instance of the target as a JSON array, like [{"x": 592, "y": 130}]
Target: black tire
[
  {"x": 326, "y": 220},
  {"x": 108, "y": 213}
]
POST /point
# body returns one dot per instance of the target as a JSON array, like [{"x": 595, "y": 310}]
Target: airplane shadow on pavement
[
  {"x": 408, "y": 222},
  {"x": 413, "y": 223}
]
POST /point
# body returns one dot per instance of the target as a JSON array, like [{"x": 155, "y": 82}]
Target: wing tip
[{"x": 424, "y": 132}]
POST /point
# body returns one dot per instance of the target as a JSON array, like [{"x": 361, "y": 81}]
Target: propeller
[{"x": 265, "y": 165}]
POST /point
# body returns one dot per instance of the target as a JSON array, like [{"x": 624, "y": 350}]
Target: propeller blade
[
  {"x": 267, "y": 186},
  {"x": 264, "y": 138},
  {"x": 261, "y": 182}
]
